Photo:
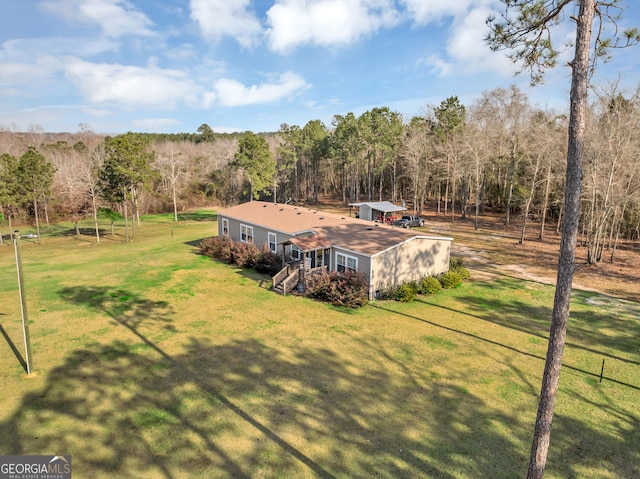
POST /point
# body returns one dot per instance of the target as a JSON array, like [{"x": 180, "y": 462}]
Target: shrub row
[
  {"x": 456, "y": 265},
  {"x": 408, "y": 292},
  {"x": 349, "y": 289},
  {"x": 246, "y": 255}
]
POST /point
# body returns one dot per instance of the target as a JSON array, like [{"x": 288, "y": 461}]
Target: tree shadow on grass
[
  {"x": 533, "y": 330},
  {"x": 196, "y": 244},
  {"x": 580, "y": 446},
  {"x": 243, "y": 408},
  {"x": 126, "y": 308},
  {"x": 84, "y": 231},
  {"x": 586, "y": 325},
  {"x": 14, "y": 349}
]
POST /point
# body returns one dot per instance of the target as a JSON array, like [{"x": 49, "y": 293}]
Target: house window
[
  {"x": 295, "y": 252},
  {"x": 346, "y": 263},
  {"x": 246, "y": 234},
  {"x": 273, "y": 245},
  {"x": 225, "y": 227}
]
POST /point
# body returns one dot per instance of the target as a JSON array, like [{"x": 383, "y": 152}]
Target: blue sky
[{"x": 170, "y": 66}]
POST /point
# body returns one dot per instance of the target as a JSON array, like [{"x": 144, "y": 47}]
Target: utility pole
[{"x": 23, "y": 301}]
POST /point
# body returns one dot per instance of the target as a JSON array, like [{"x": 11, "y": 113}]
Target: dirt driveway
[{"x": 495, "y": 247}]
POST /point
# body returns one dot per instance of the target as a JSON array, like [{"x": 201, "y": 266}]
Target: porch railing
[
  {"x": 280, "y": 276},
  {"x": 291, "y": 281},
  {"x": 288, "y": 277},
  {"x": 318, "y": 270}
]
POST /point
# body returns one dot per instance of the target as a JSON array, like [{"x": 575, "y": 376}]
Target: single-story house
[
  {"x": 385, "y": 254},
  {"x": 377, "y": 210}
]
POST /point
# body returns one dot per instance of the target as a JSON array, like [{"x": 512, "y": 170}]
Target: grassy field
[{"x": 151, "y": 361}]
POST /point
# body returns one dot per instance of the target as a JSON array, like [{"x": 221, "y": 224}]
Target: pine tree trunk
[{"x": 566, "y": 263}]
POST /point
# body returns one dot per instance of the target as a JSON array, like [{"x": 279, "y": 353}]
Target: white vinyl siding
[
  {"x": 246, "y": 233},
  {"x": 225, "y": 227},
  {"x": 273, "y": 243},
  {"x": 346, "y": 263}
]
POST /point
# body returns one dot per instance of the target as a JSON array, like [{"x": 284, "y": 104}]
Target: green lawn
[{"x": 151, "y": 361}]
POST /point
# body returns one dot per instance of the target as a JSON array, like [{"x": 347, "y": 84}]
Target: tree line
[{"x": 499, "y": 153}]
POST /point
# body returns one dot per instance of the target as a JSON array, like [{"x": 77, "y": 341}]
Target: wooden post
[{"x": 23, "y": 302}]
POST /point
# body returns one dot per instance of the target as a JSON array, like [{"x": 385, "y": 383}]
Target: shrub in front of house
[
  {"x": 218, "y": 247},
  {"x": 450, "y": 280},
  {"x": 456, "y": 264},
  {"x": 463, "y": 272},
  {"x": 268, "y": 262},
  {"x": 317, "y": 286},
  {"x": 430, "y": 285},
  {"x": 223, "y": 248},
  {"x": 406, "y": 292},
  {"x": 244, "y": 254},
  {"x": 349, "y": 289},
  {"x": 388, "y": 293}
]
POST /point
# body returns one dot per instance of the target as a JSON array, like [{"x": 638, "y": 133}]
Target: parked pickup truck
[{"x": 408, "y": 221}]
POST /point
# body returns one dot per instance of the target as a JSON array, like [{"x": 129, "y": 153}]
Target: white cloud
[
  {"x": 64, "y": 117},
  {"x": 182, "y": 52},
  {"x": 116, "y": 18},
  {"x": 437, "y": 65},
  {"x": 154, "y": 87},
  {"x": 154, "y": 124},
  {"x": 233, "y": 93},
  {"x": 21, "y": 63},
  {"x": 326, "y": 22},
  {"x": 227, "y": 129},
  {"x": 467, "y": 47},
  {"x": 424, "y": 12},
  {"x": 29, "y": 48},
  {"x": 97, "y": 112},
  {"x": 132, "y": 86},
  {"x": 218, "y": 18},
  {"x": 21, "y": 73}
]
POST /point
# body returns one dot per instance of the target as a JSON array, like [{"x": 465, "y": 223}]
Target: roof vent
[
  {"x": 264, "y": 206},
  {"x": 369, "y": 229},
  {"x": 322, "y": 217},
  {"x": 299, "y": 212},
  {"x": 281, "y": 209}
]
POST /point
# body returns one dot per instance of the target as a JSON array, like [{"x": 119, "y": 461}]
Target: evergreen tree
[
  {"x": 126, "y": 167},
  {"x": 35, "y": 177},
  {"x": 257, "y": 162}
]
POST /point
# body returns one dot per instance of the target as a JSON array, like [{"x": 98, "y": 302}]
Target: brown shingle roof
[
  {"x": 308, "y": 243},
  {"x": 353, "y": 234}
]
